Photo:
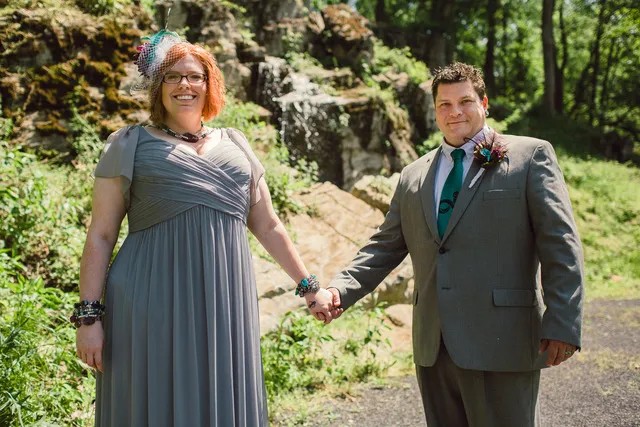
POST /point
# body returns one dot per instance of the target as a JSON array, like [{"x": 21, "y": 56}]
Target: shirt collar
[{"x": 468, "y": 146}]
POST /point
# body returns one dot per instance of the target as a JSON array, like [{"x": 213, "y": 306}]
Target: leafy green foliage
[
  {"x": 42, "y": 215},
  {"x": 429, "y": 144},
  {"x": 41, "y": 380},
  {"x": 292, "y": 356},
  {"x": 86, "y": 141},
  {"x": 601, "y": 64},
  {"x": 321, "y": 4},
  {"x": 244, "y": 116},
  {"x": 606, "y": 205},
  {"x": 302, "y": 354},
  {"x": 397, "y": 60},
  {"x": 284, "y": 181},
  {"x": 6, "y": 125},
  {"x": 96, "y": 7}
]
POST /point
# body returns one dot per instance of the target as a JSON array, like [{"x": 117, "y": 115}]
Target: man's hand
[
  {"x": 337, "y": 310},
  {"x": 322, "y": 305},
  {"x": 558, "y": 351}
]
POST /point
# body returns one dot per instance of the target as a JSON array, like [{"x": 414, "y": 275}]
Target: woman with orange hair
[{"x": 176, "y": 340}]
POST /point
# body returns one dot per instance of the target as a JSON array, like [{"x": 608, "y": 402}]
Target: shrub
[
  {"x": 302, "y": 355},
  {"x": 43, "y": 210},
  {"x": 41, "y": 380},
  {"x": 96, "y": 7},
  {"x": 399, "y": 61}
]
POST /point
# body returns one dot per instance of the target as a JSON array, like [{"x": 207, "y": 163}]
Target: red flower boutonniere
[{"x": 488, "y": 154}]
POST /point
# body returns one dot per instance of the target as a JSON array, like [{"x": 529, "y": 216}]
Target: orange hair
[{"x": 214, "y": 96}]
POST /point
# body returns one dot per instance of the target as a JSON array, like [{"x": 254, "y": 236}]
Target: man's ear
[{"x": 485, "y": 102}]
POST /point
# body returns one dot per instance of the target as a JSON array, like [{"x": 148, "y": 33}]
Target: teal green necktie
[{"x": 450, "y": 191}]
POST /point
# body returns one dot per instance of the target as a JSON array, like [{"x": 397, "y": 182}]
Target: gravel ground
[{"x": 598, "y": 387}]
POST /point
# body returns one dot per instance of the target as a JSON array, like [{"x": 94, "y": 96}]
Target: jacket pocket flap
[
  {"x": 513, "y": 298},
  {"x": 501, "y": 194}
]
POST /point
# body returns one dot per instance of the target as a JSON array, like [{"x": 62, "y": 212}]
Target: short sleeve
[
  {"x": 118, "y": 157},
  {"x": 257, "y": 170}
]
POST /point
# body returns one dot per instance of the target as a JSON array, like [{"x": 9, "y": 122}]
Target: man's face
[{"x": 460, "y": 112}]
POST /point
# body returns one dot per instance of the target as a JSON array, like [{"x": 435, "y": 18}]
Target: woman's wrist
[
  {"x": 87, "y": 312},
  {"x": 308, "y": 285}
]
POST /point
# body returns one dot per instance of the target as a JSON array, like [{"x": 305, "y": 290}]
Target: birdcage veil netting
[{"x": 156, "y": 55}]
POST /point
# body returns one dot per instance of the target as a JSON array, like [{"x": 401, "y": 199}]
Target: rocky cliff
[{"x": 313, "y": 71}]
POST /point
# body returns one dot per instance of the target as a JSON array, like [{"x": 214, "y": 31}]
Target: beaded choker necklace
[{"x": 187, "y": 136}]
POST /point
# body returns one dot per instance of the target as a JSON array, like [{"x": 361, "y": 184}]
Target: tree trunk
[
  {"x": 560, "y": 72},
  {"x": 586, "y": 87},
  {"x": 595, "y": 55},
  {"x": 549, "y": 56},
  {"x": 612, "y": 59},
  {"x": 441, "y": 28},
  {"x": 505, "y": 43},
  {"x": 381, "y": 12},
  {"x": 490, "y": 55}
]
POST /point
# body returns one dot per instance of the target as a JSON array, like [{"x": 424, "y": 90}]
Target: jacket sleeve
[
  {"x": 558, "y": 247},
  {"x": 384, "y": 251}
]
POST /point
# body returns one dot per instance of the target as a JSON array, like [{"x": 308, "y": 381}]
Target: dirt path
[{"x": 599, "y": 387}]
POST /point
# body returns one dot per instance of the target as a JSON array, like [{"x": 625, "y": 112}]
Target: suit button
[{"x": 442, "y": 250}]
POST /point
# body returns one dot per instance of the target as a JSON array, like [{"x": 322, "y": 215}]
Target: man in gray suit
[{"x": 497, "y": 260}]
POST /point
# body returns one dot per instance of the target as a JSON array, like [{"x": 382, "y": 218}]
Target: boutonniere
[{"x": 488, "y": 154}]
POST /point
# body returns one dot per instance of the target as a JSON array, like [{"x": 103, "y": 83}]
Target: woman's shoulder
[
  {"x": 123, "y": 136},
  {"x": 240, "y": 140},
  {"x": 236, "y": 136}
]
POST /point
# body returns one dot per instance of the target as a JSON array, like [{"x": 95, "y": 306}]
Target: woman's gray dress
[{"x": 182, "y": 340}]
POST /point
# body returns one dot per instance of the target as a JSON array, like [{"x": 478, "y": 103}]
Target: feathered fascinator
[{"x": 153, "y": 55}]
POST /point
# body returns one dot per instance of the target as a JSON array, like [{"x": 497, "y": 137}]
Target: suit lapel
[
  {"x": 427, "y": 183},
  {"x": 464, "y": 198}
]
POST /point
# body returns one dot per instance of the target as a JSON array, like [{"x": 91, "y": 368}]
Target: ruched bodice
[{"x": 170, "y": 180}]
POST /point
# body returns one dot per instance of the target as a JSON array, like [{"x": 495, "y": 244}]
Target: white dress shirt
[{"x": 445, "y": 164}]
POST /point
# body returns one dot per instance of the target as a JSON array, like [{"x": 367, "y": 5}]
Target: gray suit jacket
[{"x": 507, "y": 272}]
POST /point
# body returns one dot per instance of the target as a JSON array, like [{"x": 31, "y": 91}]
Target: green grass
[
  {"x": 606, "y": 204},
  {"x": 41, "y": 380},
  {"x": 305, "y": 360}
]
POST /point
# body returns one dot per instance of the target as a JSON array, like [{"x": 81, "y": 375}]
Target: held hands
[
  {"x": 89, "y": 342},
  {"x": 558, "y": 351},
  {"x": 324, "y": 305}
]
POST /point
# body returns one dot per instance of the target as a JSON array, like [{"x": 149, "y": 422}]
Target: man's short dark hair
[{"x": 456, "y": 73}]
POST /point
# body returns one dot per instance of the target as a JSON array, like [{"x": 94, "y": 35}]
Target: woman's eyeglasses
[{"x": 175, "y": 78}]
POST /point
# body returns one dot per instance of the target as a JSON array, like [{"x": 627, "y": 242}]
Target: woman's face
[{"x": 184, "y": 98}]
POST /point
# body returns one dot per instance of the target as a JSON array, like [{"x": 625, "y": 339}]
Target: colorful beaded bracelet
[{"x": 308, "y": 285}]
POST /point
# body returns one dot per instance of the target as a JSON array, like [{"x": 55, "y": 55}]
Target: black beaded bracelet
[
  {"x": 308, "y": 285},
  {"x": 86, "y": 313}
]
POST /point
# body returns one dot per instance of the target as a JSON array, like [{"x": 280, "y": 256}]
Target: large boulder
[
  {"x": 345, "y": 38},
  {"x": 349, "y": 135},
  {"x": 59, "y": 63},
  {"x": 416, "y": 98},
  {"x": 327, "y": 241},
  {"x": 376, "y": 190},
  {"x": 270, "y": 80}
]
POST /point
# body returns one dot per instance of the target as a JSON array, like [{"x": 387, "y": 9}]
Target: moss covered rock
[{"x": 62, "y": 62}]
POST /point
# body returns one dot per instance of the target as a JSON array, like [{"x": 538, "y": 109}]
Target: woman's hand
[
  {"x": 89, "y": 342},
  {"x": 322, "y": 305}
]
